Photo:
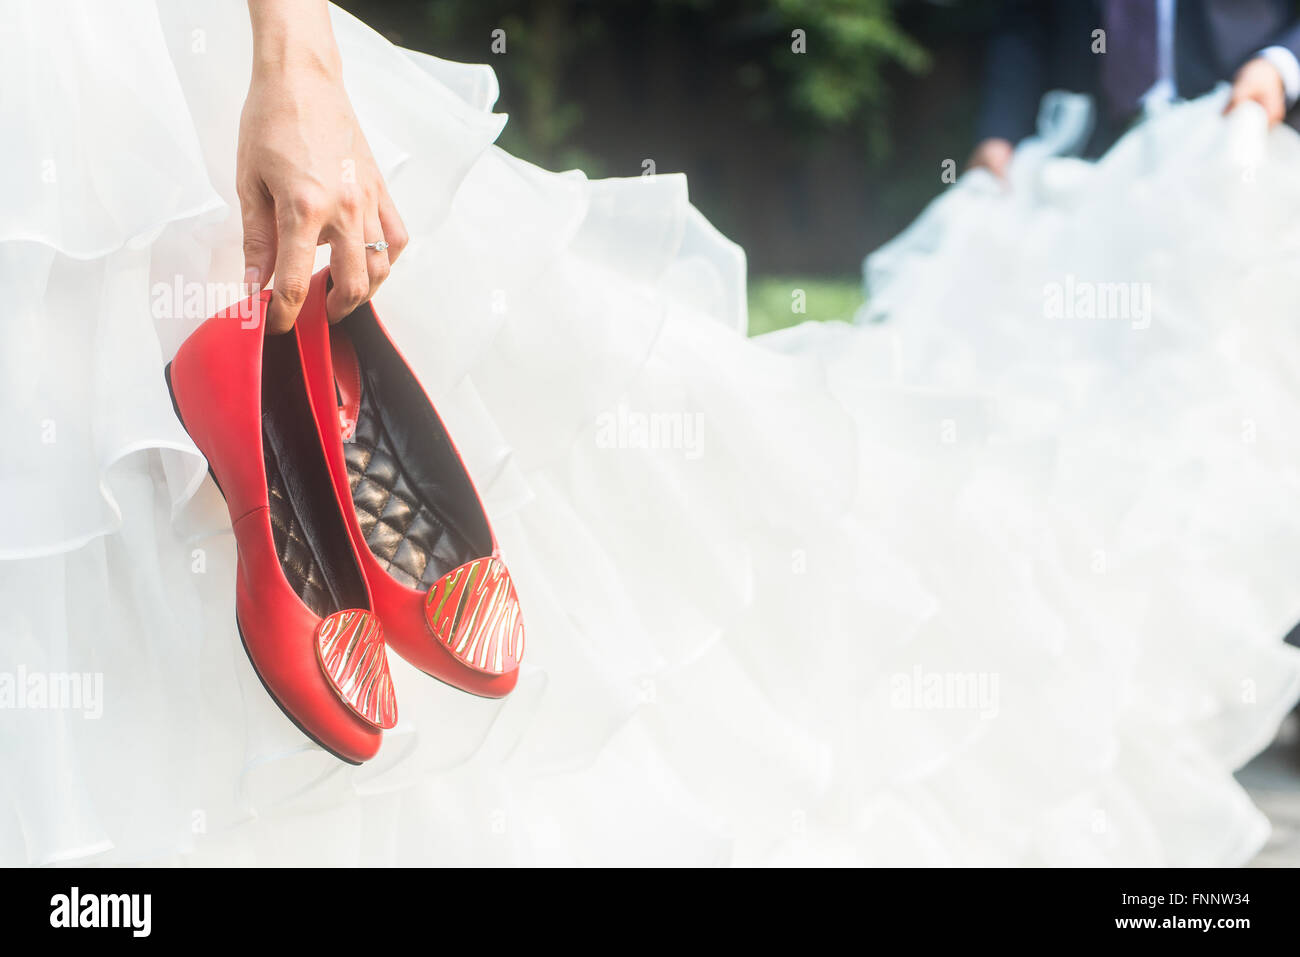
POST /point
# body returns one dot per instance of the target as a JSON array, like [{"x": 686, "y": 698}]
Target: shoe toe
[
  {"x": 350, "y": 648},
  {"x": 474, "y": 612}
]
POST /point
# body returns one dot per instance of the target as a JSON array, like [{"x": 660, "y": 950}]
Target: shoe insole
[
  {"x": 311, "y": 540},
  {"x": 415, "y": 536}
]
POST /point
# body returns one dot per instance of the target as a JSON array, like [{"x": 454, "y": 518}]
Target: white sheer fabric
[{"x": 971, "y": 587}]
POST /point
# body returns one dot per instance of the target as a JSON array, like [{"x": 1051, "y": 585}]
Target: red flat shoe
[
  {"x": 302, "y": 604},
  {"x": 445, "y": 596}
]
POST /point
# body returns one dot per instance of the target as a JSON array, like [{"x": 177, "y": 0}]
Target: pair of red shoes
[{"x": 357, "y": 525}]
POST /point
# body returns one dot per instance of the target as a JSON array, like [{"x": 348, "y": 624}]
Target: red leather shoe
[
  {"x": 302, "y": 605},
  {"x": 445, "y": 596}
]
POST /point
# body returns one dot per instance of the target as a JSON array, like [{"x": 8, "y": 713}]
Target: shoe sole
[{"x": 167, "y": 374}]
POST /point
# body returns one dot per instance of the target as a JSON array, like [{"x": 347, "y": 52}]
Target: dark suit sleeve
[
  {"x": 1289, "y": 35},
  {"x": 1289, "y": 38},
  {"x": 1015, "y": 72}
]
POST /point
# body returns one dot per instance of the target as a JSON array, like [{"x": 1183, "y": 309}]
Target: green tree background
[{"x": 808, "y": 159}]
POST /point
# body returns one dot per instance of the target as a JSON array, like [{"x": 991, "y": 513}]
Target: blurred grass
[{"x": 772, "y": 300}]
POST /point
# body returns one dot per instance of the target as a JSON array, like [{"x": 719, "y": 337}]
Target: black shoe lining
[
  {"x": 415, "y": 503},
  {"x": 311, "y": 539}
]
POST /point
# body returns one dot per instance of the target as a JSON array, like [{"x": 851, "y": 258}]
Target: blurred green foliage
[
  {"x": 861, "y": 37},
  {"x": 808, "y": 159},
  {"x": 771, "y": 301},
  {"x": 839, "y": 78}
]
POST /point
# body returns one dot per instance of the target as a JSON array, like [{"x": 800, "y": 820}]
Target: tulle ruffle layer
[{"x": 776, "y": 614}]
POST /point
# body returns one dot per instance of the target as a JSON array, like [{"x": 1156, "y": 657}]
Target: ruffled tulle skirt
[{"x": 975, "y": 585}]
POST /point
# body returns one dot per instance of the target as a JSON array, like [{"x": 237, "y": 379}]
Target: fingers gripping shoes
[
  {"x": 445, "y": 596},
  {"x": 302, "y": 604}
]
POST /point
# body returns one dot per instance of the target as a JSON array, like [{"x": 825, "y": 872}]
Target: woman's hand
[{"x": 305, "y": 174}]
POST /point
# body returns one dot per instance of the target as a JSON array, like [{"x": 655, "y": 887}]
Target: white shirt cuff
[{"x": 1288, "y": 66}]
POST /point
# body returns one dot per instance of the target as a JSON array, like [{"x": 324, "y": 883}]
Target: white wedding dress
[{"x": 977, "y": 585}]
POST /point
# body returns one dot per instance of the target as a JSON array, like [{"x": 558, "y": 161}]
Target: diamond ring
[{"x": 378, "y": 245}]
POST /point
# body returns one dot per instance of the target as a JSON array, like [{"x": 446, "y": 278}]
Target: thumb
[{"x": 258, "y": 213}]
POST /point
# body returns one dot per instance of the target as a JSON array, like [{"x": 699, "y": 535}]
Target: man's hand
[
  {"x": 994, "y": 155},
  {"x": 1260, "y": 82}
]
